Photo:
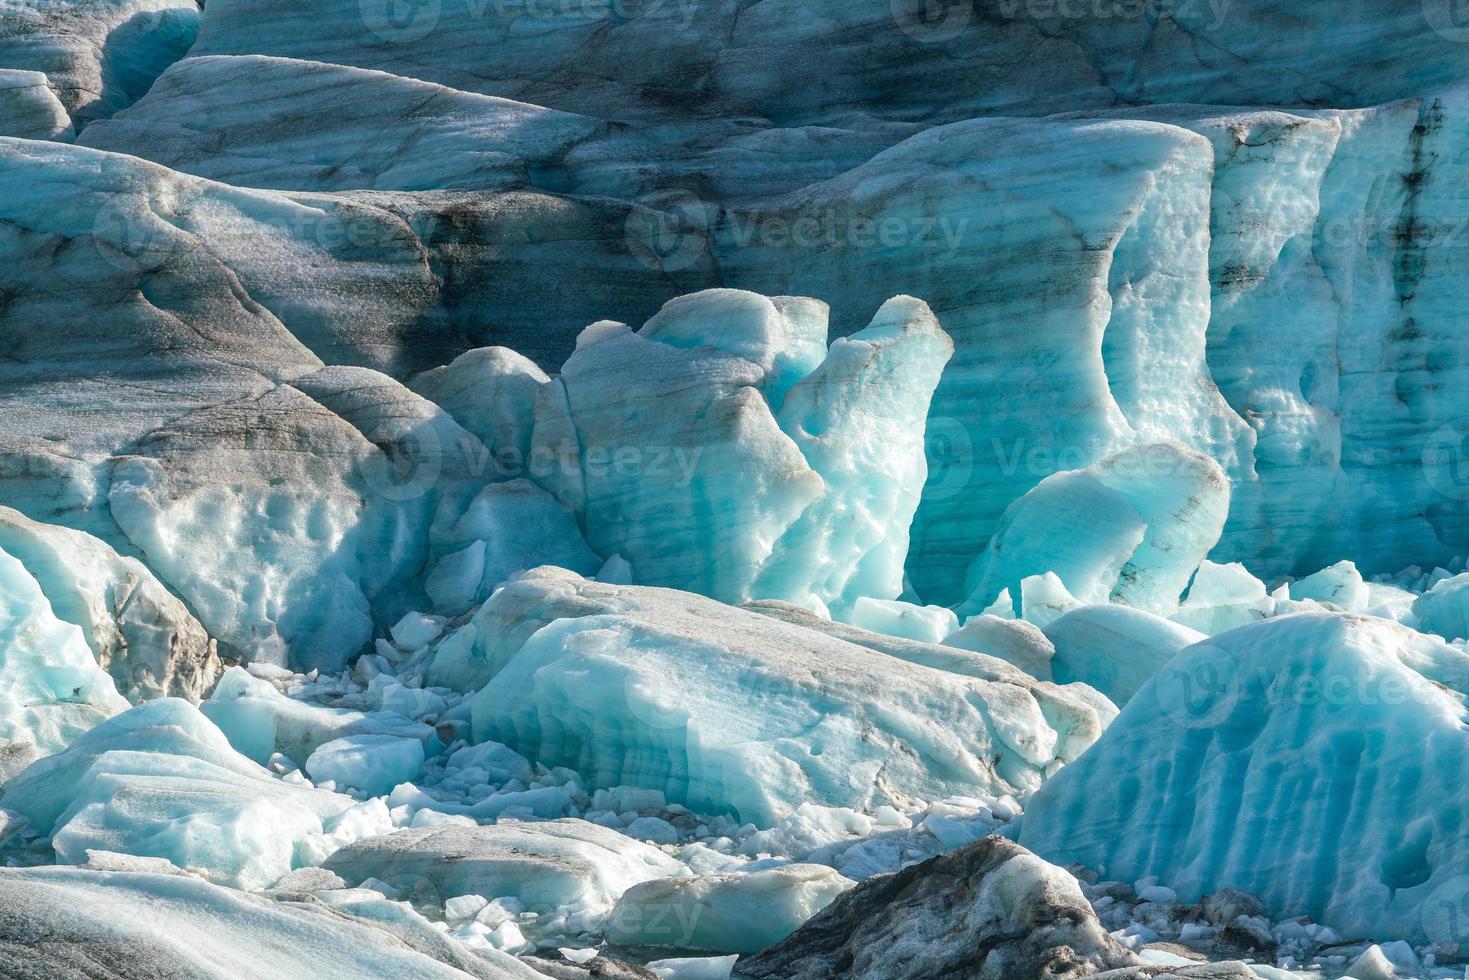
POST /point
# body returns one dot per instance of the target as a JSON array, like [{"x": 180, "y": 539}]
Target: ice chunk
[
  {"x": 1131, "y": 528},
  {"x": 694, "y": 967},
  {"x": 554, "y": 869},
  {"x": 1340, "y": 584},
  {"x": 1043, "y": 598},
  {"x": 373, "y": 764},
  {"x": 726, "y": 710},
  {"x": 415, "y": 630},
  {"x": 928, "y": 624},
  {"x": 30, "y": 109},
  {"x": 1280, "y": 758},
  {"x": 160, "y": 780},
  {"x": 491, "y": 391},
  {"x": 1223, "y": 597},
  {"x": 260, "y": 721},
  {"x": 51, "y": 688},
  {"x": 138, "y": 630},
  {"x": 739, "y": 913},
  {"x": 1012, "y": 640},
  {"x": 1444, "y": 609},
  {"x": 1115, "y": 649}
]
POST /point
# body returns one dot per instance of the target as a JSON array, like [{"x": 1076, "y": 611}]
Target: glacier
[{"x": 733, "y": 489}]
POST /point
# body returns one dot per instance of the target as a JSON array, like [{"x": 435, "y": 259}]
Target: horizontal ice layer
[
  {"x": 161, "y": 781},
  {"x": 797, "y": 62},
  {"x": 1310, "y": 760},
  {"x": 51, "y": 688},
  {"x": 737, "y": 913},
  {"x": 141, "y": 633},
  {"x": 444, "y": 137},
  {"x": 1129, "y": 529},
  {"x": 552, "y": 869},
  {"x": 724, "y": 710},
  {"x": 137, "y": 924}
]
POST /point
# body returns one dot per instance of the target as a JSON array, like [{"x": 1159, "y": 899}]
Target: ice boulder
[
  {"x": 990, "y": 910},
  {"x": 726, "y": 710},
  {"x": 1341, "y": 585},
  {"x": 1131, "y": 528},
  {"x": 372, "y": 764},
  {"x": 568, "y": 873},
  {"x": 1012, "y": 640},
  {"x": 161, "y": 781},
  {"x": 30, "y": 109},
  {"x": 1222, "y": 597},
  {"x": 716, "y": 450},
  {"x": 1115, "y": 649},
  {"x": 134, "y": 924},
  {"x": 1312, "y": 760},
  {"x": 141, "y": 633},
  {"x": 260, "y": 721},
  {"x": 734, "y": 913},
  {"x": 1444, "y": 609},
  {"x": 928, "y": 624},
  {"x": 51, "y": 688}
]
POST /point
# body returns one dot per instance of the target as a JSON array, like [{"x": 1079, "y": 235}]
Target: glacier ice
[
  {"x": 137, "y": 630},
  {"x": 1131, "y": 529},
  {"x": 159, "y": 780},
  {"x": 727, "y": 710},
  {"x": 1309, "y": 759},
  {"x": 372, "y": 764},
  {"x": 51, "y": 688}
]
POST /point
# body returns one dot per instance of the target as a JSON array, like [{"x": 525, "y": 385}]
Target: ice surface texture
[
  {"x": 1309, "y": 759},
  {"x": 728, "y": 711}
]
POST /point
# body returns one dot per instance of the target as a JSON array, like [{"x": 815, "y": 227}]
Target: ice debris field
[{"x": 788, "y": 489}]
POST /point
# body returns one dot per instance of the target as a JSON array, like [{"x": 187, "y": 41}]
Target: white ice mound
[
  {"x": 51, "y": 688},
  {"x": 733, "y": 913},
  {"x": 1444, "y": 609},
  {"x": 726, "y": 710},
  {"x": 717, "y": 451},
  {"x": 1130, "y": 529},
  {"x": 1315, "y": 760},
  {"x": 137, "y": 924},
  {"x": 556, "y": 869},
  {"x": 139, "y": 631},
  {"x": 1113, "y": 648},
  {"x": 161, "y": 781}
]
